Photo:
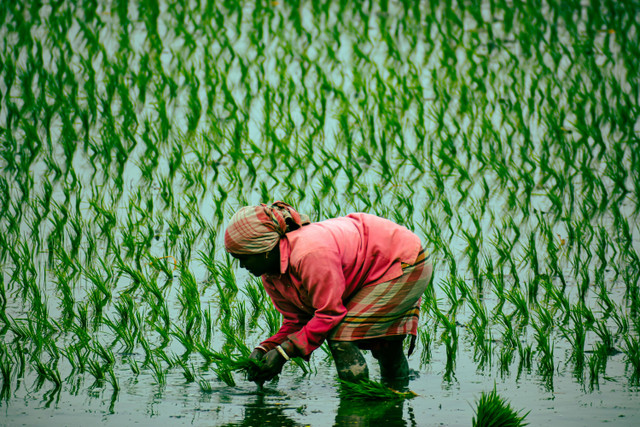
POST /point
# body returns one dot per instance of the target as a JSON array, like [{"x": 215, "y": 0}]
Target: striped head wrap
[{"x": 258, "y": 229}]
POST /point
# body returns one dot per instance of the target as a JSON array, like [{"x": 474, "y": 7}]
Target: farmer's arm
[
  {"x": 293, "y": 321},
  {"x": 324, "y": 282}
]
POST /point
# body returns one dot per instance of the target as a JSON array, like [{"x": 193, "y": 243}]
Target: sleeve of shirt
[
  {"x": 322, "y": 278},
  {"x": 293, "y": 319}
]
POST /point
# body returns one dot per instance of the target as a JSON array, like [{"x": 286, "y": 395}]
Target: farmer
[{"x": 355, "y": 281}]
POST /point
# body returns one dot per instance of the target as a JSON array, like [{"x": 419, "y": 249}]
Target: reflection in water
[
  {"x": 258, "y": 413},
  {"x": 352, "y": 413},
  {"x": 370, "y": 413}
]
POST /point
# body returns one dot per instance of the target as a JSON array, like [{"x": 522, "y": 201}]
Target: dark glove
[
  {"x": 258, "y": 355},
  {"x": 272, "y": 364}
]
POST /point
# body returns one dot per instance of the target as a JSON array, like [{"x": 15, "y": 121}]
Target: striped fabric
[
  {"x": 257, "y": 229},
  {"x": 388, "y": 308}
]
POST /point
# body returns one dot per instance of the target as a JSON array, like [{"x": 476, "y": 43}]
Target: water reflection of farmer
[{"x": 355, "y": 281}]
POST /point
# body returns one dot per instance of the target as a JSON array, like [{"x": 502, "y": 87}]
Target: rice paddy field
[{"x": 505, "y": 133}]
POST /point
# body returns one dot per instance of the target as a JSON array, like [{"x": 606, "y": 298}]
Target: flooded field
[{"x": 506, "y": 134}]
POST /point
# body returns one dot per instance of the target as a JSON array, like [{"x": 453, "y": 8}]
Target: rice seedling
[
  {"x": 225, "y": 376},
  {"x": 97, "y": 371},
  {"x": 205, "y": 386},
  {"x": 525, "y": 353},
  {"x": 371, "y": 390},
  {"x": 492, "y": 410},
  {"x": 187, "y": 372},
  {"x": 105, "y": 353},
  {"x": 113, "y": 380},
  {"x": 135, "y": 369},
  {"x": 594, "y": 364},
  {"x": 632, "y": 358},
  {"x": 47, "y": 372},
  {"x": 606, "y": 338},
  {"x": 157, "y": 372},
  {"x": 273, "y": 319},
  {"x": 450, "y": 338},
  {"x": 546, "y": 364},
  {"x": 256, "y": 294},
  {"x": 239, "y": 315},
  {"x": 189, "y": 298},
  {"x": 185, "y": 339},
  {"x": 521, "y": 308}
]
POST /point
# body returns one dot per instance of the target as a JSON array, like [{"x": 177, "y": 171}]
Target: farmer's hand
[
  {"x": 271, "y": 366},
  {"x": 257, "y": 355}
]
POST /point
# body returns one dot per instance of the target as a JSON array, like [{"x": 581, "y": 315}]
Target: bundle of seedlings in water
[
  {"x": 241, "y": 363},
  {"x": 494, "y": 410},
  {"x": 371, "y": 390}
]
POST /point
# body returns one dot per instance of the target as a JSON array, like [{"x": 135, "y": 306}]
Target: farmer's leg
[
  {"x": 394, "y": 367},
  {"x": 350, "y": 362}
]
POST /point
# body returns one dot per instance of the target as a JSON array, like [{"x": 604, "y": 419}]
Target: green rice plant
[
  {"x": 425, "y": 342},
  {"x": 133, "y": 364},
  {"x": 208, "y": 326},
  {"x": 545, "y": 348},
  {"x": 47, "y": 372},
  {"x": 497, "y": 282},
  {"x": 185, "y": 339},
  {"x": 162, "y": 355},
  {"x": 256, "y": 294},
  {"x": 588, "y": 318},
  {"x": 450, "y": 291},
  {"x": 225, "y": 272},
  {"x": 606, "y": 338},
  {"x": 494, "y": 410},
  {"x": 509, "y": 338},
  {"x": 525, "y": 353},
  {"x": 195, "y": 107},
  {"x": 105, "y": 353},
  {"x": 371, "y": 390},
  {"x": 101, "y": 295},
  {"x": 481, "y": 344},
  {"x": 208, "y": 354},
  {"x": 205, "y": 386},
  {"x": 189, "y": 296},
  {"x": 479, "y": 311},
  {"x": 545, "y": 317},
  {"x": 239, "y": 316},
  {"x": 622, "y": 323},
  {"x": 98, "y": 371},
  {"x": 187, "y": 372},
  {"x": 560, "y": 299},
  {"x": 157, "y": 372},
  {"x": 505, "y": 358},
  {"x": 225, "y": 376},
  {"x": 577, "y": 338},
  {"x": 595, "y": 366},
  {"x": 472, "y": 251},
  {"x": 148, "y": 352},
  {"x": 113, "y": 380},
  {"x": 125, "y": 308},
  {"x": 238, "y": 363},
  {"x": 5, "y": 371},
  {"x": 450, "y": 338},
  {"x": 521, "y": 310},
  {"x": 632, "y": 358}
]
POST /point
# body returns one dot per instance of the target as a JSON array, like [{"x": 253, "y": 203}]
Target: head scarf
[{"x": 258, "y": 229}]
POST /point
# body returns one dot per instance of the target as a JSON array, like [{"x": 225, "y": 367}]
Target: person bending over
[{"x": 355, "y": 281}]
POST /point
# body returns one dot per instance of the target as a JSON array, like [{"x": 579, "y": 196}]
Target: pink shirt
[{"x": 323, "y": 264}]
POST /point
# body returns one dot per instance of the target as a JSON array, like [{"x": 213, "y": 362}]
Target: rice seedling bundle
[
  {"x": 494, "y": 410},
  {"x": 372, "y": 390}
]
